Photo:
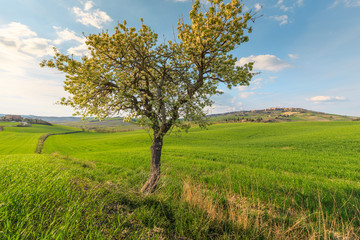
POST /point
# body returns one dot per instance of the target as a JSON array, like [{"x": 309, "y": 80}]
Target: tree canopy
[{"x": 159, "y": 82}]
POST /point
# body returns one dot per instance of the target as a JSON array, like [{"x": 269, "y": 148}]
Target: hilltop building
[{"x": 16, "y": 118}]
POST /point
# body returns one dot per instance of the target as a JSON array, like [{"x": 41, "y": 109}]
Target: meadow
[
  {"x": 296, "y": 180},
  {"x": 21, "y": 140}
]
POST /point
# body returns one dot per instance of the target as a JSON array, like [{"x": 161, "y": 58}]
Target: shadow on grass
[{"x": 154, "y": 218}]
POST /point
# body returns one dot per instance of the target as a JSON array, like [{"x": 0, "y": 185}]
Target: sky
[{"x": 306, "y": 52}]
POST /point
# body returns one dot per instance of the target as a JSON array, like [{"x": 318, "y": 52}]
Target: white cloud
[
  {"x": 242, "y": 88},
  {"x": 88, "y": 5},
  {"x": 22, "y": 39},
  {"x": 293, "y": 56},
  {"x": 67, "y": 35},
  {"x": 247, "y": 91},
  {"x": 14, "y": 31},
  {"x": 257, "y": 7},
  {"x": 265, "y": 63},
  {"x": 37, "y": 46},
  {"x": 283, "y": 19},
  {"x": 79, "y": 50},
  {"x": 220, "y": 90},
  {"x": 291, "y": 4},
  {"x": 223, "y": 103},
  {"x": 89, "y": 16},
  {"x": 230, "y": 101},
  {"x": 19, "y": 36},
  {"x": 257, "y": 83},
  {"x": 326, "y": 99},
  {"x": 243, "y": 95},
  {"x": 219, "y": 108},
  {"x": 347, "y": 3},
  {"x": 288, "y": 6},
  {"x": 12, "y": 61},
  {"x": 25, "y": 87},
  {"x": 26, "y": 94}
]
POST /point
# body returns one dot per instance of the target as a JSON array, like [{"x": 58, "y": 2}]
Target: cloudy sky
[{"x": 307, "y": 52}]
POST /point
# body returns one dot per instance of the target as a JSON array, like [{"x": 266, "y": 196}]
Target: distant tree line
[
  {"x": 238, "y": 119},
  {"x": 18, "y": 118}
]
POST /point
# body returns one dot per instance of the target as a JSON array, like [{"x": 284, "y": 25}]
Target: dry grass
[
  {"x": 290, "y": 113},
  {"x": 268, "y": 221}
]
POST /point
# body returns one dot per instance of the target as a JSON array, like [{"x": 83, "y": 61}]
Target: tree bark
[{"x": 153, "y": 179}]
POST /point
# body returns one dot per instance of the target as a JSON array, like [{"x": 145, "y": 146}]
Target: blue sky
[{"x": 307, "y": 52}]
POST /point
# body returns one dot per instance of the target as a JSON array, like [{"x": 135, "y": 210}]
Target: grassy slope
[
  {"x": 41, "y": 197},
  {"x": 283, "y": 180},
  {"x": 292, "y": 166},
  {"x": 280, "y": 115},
  {"x": 8, "y": 123},
  {"x": 106, "y": 125},
  {"x": 19, "y": 140}
]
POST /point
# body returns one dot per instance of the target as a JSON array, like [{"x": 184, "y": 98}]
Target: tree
[{"x": 163, "y": 85}]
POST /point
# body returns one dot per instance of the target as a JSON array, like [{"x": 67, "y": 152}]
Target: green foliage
[{"x": 131, "y": 71}]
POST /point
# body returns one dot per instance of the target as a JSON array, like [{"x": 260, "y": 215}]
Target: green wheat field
[{"x": 291, "y": 180}]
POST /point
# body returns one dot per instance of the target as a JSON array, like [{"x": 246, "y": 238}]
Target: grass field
[
  {"x": 20, "y": 140},
  {"x": 8, "y": 123},
  {"x": 295, "y": 180},
  {"x": 115, "y": 124}
]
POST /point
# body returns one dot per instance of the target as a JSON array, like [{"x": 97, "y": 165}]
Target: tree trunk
[{"x": 152, "y": 181}]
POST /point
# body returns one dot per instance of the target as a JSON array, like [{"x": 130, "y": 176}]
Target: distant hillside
[
  {"x": 265, "y": 115},
  {"x": 55, "y": 120},
  {"x": 115, "y": 124},
  {"x": 278, "y": 115},
  {"x": 23, "y": 121}
]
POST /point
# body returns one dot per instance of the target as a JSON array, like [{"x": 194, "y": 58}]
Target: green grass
[
  {"x": 233, "y": 181},
  {"x": 21, "y": 140},
  {"x": 8, "y": 123},
  {"x": 292, "y": 165},
  {"x": 41, "y": 198}
]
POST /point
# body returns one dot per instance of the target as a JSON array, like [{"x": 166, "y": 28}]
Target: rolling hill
[
  {"x": 116, "y": 124},
  {"x": 279, "y": 115},
  {"x": 288, "y": 180}
]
